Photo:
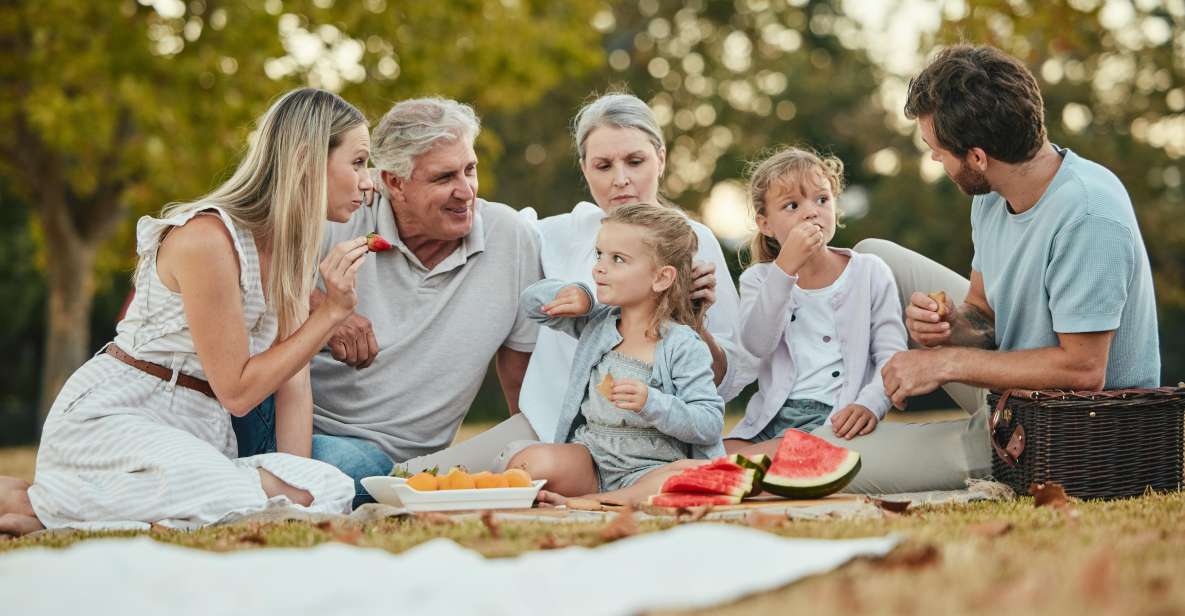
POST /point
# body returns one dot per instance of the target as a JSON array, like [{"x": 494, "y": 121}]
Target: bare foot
[
  {"x": 273, "y": 486},
  {"x": 16, "y": 525}
]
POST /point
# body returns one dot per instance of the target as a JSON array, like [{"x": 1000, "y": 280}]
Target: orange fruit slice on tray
[
  {"x": 518, "y": 478},
  {"x": 424, "y": 482}
]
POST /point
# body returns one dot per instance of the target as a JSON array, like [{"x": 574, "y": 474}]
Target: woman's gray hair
[
  {"x": 414, "y": 126},
  {"x": 619, "y": 111}
]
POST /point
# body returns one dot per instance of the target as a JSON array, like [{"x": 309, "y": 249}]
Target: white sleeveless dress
[{"x": 124, "y": 449}]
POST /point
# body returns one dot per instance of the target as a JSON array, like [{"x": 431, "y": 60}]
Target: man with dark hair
[{"x": 1060, "y": 295}]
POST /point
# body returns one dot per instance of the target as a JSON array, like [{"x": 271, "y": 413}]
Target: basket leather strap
[{"x": 1016, "y": 443}]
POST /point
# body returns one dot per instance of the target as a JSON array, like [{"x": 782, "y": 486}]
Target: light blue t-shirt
[{"x": 1075, "y": 262}]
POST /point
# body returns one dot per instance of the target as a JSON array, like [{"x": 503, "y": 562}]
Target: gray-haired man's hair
[
  {"x": 620, "y": 111},
  {"x": 414, "y": 126}
]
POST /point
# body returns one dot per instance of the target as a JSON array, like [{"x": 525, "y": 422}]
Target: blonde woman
[{"x": 141, "y": 433}]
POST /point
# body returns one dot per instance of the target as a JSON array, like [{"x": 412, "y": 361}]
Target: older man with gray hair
[{"x": 395, "y": 382}]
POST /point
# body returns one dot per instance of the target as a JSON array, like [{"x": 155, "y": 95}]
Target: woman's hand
[
  {"x": 339, "y": 271},
  {"x": 571, "y": 301},
  {"x": 801, "y": 243},
  {"x": 630, "y": 394},
  {"x": 703, "y": 282}
]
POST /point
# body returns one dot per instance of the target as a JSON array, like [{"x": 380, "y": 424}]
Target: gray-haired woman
[{"x": 622, "y": 156}]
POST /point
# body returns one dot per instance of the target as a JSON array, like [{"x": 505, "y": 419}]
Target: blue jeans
[
  {"x": 256, "y": 431},
  {"x": 356, "y": 457},
  {"x": 805, "y": 415}
]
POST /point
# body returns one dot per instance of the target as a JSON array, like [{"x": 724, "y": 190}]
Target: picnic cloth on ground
[
  {"x": 121, "y": 447},
  {"x": 662, "y": 570}
]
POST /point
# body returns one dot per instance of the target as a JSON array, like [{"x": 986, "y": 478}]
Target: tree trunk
[{"x": 71, "y": 286}]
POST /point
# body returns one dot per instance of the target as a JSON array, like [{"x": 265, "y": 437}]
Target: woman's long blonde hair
[
  {"x": 279, "y": 192},
  {"x": 672, "y": 242},
  {"x": 786, "y": 166}
]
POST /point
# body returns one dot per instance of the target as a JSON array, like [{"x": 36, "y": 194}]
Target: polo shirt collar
[{"x": 471, "y": 244}]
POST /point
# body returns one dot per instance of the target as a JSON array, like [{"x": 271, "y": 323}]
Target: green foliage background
[{"x": 142, "y": 103}]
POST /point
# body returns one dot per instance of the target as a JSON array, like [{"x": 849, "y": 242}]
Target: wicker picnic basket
[{"x": 1096, "y": 444}]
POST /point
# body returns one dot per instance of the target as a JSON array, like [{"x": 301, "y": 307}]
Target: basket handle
[{"x": 1009, "y": 453}]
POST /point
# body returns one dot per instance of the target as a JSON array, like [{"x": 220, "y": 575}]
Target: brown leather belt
[{"x": 160, "y": 371}]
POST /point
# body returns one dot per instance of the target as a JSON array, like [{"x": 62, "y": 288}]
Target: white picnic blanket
[{"x": 689, "y": 566}]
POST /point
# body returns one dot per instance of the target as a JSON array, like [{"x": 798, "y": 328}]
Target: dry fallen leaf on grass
[
  {"x": 887, "y": 506},
  {"x": 994, "y": 528},
  {"x": 253, "y": 538},
  {"x": 492, "y": 525},
  {"x": 1048, "y": 495},
  {"x": 622, "y": 526}
]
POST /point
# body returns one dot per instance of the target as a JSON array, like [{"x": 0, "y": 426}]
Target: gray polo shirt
[{"x": 437, "y": 330}]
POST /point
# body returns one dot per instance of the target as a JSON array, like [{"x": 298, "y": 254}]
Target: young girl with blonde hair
[
  {"x": 141, "y": 433},
  {"x": 641, "y": 393},
  {"x": 821, "y": 321}
]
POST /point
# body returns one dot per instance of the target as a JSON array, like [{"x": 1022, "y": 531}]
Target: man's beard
[{"x": 971, "y": 182}]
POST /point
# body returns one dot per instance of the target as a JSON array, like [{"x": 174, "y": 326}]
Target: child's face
[
  {"x": 625, "y": 271},
  {"x": 796, "y": 201}
]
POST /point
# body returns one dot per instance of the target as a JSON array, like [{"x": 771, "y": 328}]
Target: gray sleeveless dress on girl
[{"x": 624, "y": 446}]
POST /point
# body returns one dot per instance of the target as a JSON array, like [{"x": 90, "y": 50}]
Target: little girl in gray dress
[{"x": 641, "y": 394}]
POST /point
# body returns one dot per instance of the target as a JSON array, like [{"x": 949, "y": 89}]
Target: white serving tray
[{"x": 394, "y": 491}]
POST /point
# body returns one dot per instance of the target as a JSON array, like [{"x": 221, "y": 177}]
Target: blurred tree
[
  {"x": 115, "y": 108},
  {"x": 726, "y": 79}
]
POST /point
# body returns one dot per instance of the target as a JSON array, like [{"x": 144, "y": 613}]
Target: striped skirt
[{"x": 123, "y": 449}]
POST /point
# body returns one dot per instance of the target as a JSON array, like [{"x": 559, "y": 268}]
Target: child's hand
[
  {"x": 571, "y": 301},
  {"x": 629, "y": 394},
  {"x": 853, "y": 420},
  {"x": 800, "y": 245}
]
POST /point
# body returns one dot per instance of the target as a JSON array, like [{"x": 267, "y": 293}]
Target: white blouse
[{"x": 568, "y": 252}]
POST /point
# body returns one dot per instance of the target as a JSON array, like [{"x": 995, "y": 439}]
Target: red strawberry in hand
[{"x": 376, "y": 243}]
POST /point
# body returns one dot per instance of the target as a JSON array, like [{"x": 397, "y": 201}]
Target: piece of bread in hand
[
  {"x": 605, "y": 387},
  {"x": 940, "y": 297}
]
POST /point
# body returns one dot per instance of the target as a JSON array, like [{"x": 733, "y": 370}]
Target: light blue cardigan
[{"x": 682, "y": 401}]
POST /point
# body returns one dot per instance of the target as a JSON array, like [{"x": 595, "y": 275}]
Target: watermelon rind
[
  {"x": 814, "y": 487},
  {"x": 758, "y": 462}
]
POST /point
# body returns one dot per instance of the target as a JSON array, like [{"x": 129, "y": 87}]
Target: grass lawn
[{"x": 983, "y": 558}]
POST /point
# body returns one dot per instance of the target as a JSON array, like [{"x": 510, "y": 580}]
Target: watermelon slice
[
  {"x": 807, "y": 466},
  {"x": 705, "y": 480},
  {"x": 691, "y": 500}
]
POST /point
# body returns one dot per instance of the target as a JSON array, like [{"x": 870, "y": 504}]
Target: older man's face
[{"x": 436, "y": 202}]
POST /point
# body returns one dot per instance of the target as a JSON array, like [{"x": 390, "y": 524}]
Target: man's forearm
[
  {"x": 1045, "y": 368},
  {"x": 971, "y": 327}
]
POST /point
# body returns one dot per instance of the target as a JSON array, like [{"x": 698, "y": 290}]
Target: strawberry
[{"x": 376, "y": 243}]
